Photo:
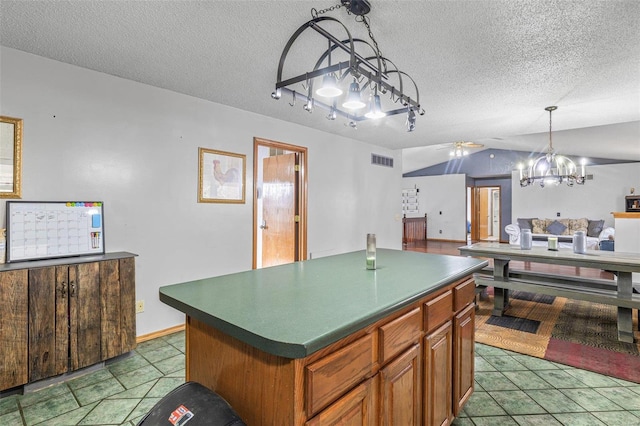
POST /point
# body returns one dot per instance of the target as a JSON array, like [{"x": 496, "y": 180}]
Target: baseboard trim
[
  {"x": 446, "y": 241},
  {"x": 159, "y": 333}
]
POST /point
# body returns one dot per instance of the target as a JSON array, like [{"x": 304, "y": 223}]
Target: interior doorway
[
  {"x": 279, "y": 203},
  {"x": 483, "y": 213}
]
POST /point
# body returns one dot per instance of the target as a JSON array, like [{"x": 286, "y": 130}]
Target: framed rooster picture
[{"x": 221, "y": 176}]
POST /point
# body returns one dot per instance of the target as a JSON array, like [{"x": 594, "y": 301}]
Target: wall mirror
[{"x": 10, "y": 157}]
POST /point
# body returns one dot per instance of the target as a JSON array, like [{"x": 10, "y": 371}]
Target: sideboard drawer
[
  {"x": 438, "y": 310},
  {"x": 330, "y": 377},
  {"x": 463, "y": 294},
  {"x": 399, "y": 334}
]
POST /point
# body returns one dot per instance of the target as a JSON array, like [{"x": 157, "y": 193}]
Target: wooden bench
[{"x": 579, "y": 288}]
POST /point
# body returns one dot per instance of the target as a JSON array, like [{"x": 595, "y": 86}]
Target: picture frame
[
  {"x": 221, "y": 176},
  {"x": 10, "y": 157}
]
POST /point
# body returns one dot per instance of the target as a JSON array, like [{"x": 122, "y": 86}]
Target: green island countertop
[{"x": 293, "y": 310}]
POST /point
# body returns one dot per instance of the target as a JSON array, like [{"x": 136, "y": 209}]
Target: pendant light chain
[
  {"x": 365, "y": 21},
  {"x": 550, "y": 138},
  {"x": 315, "y": 13}
]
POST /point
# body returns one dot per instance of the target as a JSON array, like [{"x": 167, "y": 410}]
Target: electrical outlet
[
  {"x": 558, "y": 214},
  {"x": 139, "y": 306}
]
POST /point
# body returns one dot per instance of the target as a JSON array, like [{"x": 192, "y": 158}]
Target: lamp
[
  {"x": 552, "y": 168},
  {"x": 375, "y": 108},
  {"x": 368, "y": 70},
  {"x": 458, "y": 151},
  {"x": 353, "y": 98}
]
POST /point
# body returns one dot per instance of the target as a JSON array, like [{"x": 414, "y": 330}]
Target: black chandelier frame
[{"x": 372, "y": 68}]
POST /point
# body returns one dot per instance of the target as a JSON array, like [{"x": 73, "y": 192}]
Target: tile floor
[{"x": 511, "y": 389}]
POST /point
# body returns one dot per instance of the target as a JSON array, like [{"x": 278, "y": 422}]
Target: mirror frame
[{"x": 17, "y": 157}]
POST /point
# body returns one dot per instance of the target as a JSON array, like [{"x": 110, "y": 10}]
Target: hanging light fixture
[
  {"x": 552, "y": 168},
  {"x": 367, "y": 70}
]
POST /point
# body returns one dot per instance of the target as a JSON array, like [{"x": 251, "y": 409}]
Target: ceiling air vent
[{"x": 380, "y": 160}]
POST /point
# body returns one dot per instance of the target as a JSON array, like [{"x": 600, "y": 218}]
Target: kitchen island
[{"x": 326, "y": 340}]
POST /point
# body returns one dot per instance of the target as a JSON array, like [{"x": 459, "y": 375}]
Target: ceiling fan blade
[{"x": 472, "y": 145}]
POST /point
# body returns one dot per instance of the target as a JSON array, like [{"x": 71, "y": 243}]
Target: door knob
[{"x": 264, "y": 225}]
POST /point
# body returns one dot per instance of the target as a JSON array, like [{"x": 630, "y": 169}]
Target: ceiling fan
[{"x": 461, "y": 148}]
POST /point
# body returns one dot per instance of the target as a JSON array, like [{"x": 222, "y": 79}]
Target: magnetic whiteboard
[{"x": 42, "y": 230}]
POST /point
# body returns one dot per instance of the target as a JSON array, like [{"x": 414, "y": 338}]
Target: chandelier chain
[
  {"x": 365, "y": 21},
  {"x": 550, "y": 139}
]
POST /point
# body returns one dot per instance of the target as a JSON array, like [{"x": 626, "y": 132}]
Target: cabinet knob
[
  {"x": 63, "y": 289},
  {"x": 72, "y": 288}
]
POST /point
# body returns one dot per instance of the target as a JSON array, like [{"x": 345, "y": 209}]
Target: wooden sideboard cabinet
[
  {"x": 413, "y": 367},
  {"x": 62, "y": 315}
]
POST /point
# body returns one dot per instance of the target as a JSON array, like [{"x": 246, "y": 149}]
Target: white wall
[
  {"x": 91, "y": 136},
  {"x": 443, "y": 198},
  {"x": 595, "y": 200}
]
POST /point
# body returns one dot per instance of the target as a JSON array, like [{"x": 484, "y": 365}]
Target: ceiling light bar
[{"x": 359, "y": 75}]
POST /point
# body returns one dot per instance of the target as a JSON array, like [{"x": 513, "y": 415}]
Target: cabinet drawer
[
  {"x": 438, "y": 310},
  {"x": 399, "y": 334},
  {"x": 463, "y": 294},
  {"x": 335, "y": 374}
]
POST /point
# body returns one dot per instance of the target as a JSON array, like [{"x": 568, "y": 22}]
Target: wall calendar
[{"x": 43, "y": 230}]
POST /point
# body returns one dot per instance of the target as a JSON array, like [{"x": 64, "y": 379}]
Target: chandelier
[
  {"x": 357, "y": 85},
  {"x": 552, "y": 168}
]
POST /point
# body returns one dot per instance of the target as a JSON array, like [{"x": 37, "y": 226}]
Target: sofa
[{"x": 564, "y": 229}]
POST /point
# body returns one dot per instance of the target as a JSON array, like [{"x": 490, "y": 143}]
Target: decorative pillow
[
  {"x": 567, "y": 224},
  {"x": 539, "y": 226},
  {"x": 525, "y": 223},
  {"x": 556, "y": 228},
  {"x": 578, "y": 225},
  {"x": 595, "y": 228}
]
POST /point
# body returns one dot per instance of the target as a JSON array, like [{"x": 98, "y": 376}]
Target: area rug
[{"x": 571, "y": 332}]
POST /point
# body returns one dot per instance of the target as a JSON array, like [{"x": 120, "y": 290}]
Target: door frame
[{"x": 301, "y": 196}]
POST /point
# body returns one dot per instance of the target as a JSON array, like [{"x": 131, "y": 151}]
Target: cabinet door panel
[
  {"x": 42, "y": 320},
  {"x": 62, "y": 319},
  {"x": 128, "y": 304},
  {"x": 400, "y": 394},
  {"x": 111, "y": 308},
  {"x": 84, "y": 299},
  {"x": 356, "y": 408},
  {"x": 437, "y": 386},
  {"x": 13, "y": 328},
  {"x": 464, "y": 357}
]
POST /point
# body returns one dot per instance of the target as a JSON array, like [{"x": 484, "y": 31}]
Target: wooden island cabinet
[
  {"x": 403, "y": 355},
  {"x": 61, "y": 315}
]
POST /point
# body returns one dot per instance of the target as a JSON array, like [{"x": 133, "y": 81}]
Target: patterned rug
[{"x": 572, "y": 332}]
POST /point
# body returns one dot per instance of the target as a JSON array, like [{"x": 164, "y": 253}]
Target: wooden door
[
  {"x": 279, "y": 210},
  {"x": 356, "y": 408},
  {"x": 85, "y": 314},
  {"x": 484, "y": 222},
  {"x": 437, "y": 377},
  {"x": 463, "y": 357},
  {"x": 13, "y": 328},
  {"x": 401, "y": 390}
]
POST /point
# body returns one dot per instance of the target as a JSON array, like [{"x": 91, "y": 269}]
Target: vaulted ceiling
[{"x": 486, "y": 69}]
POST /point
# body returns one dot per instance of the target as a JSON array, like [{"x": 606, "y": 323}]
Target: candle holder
[
  {"x": 371, "y": 251},
  {"x": 552, "y": 243}
]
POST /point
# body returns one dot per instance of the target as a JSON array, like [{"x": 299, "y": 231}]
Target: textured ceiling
[{"x": 486, "y": 69}]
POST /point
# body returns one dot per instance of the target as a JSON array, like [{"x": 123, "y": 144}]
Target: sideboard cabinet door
[
  {"x": 84, "y": 314},
  {"x": 13, "y": 328},
  {"x": 117, "y": 299}
]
